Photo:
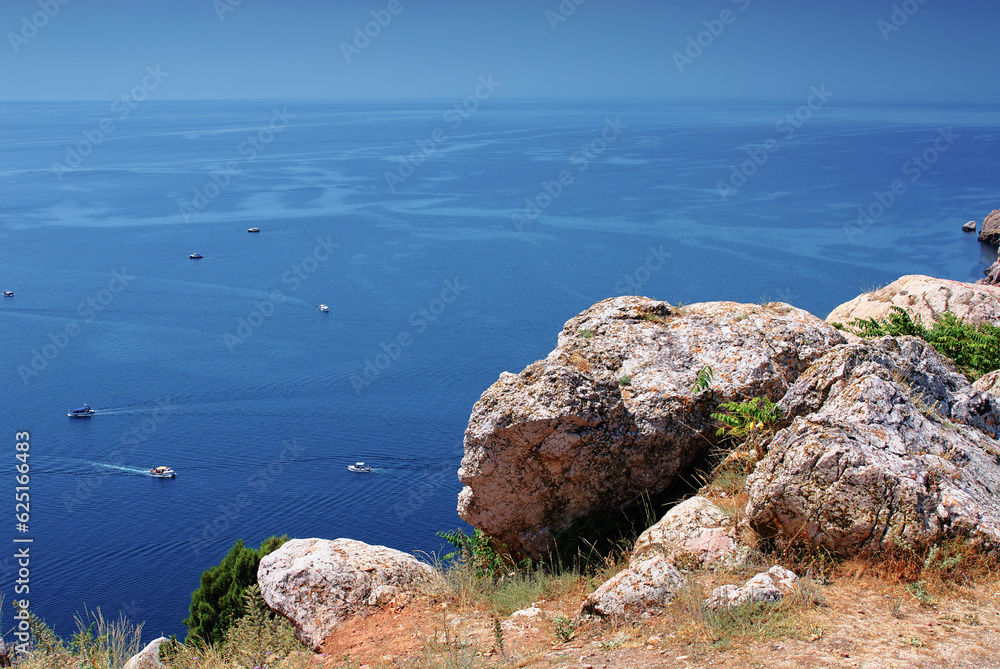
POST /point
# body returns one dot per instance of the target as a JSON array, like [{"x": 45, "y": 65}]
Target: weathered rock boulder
[
  {"x": 695, "y": 534},
  {"x": 610, "y": 414},
  {"x": 766, "y": 587},
  {"x": 990, "y": 232},
  {"x": 317, "y": 583},
  {"x": 989, "y": 383},
  {"x": 148, "y": 657},
  {"x": 645, "y": 585},
  {"x": 924, "y": 297},
  {"x": 889, "y": 442}
]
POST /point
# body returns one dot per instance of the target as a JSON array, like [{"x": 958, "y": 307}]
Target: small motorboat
[
  {"x": 196, "y": 256},
  {"x": 82, "y": 412},
  {"x": 162, "y": 473},
  {"x": 359, "y": 467},
  {"x": 970, "y": 226},
  {"x": 8, "y": 293},
  {"x": 253, "y": 229},
  {"x": 324, "y": 308}
]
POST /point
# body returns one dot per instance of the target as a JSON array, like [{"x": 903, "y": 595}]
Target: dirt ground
[{"x": 859, "y": 622}]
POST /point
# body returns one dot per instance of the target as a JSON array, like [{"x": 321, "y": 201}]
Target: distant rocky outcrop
[
  {"x": 610, "y": 414},
  {"x": 990, "y": 232},
  {"x": 695, "y": 534},
  {"x": 924, "y": 297},
  {"x": 888, "y": 443},
  {"x": 992, "y": 274},
  {"x": 317, "y": 583}
]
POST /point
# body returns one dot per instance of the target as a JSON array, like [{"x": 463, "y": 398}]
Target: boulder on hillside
[
  {"x": 610, "y": 415},
  {"x": 766, "y": 587},
  {"x": 889, "y": 443},
  {"x": 693, "y": 535},
  {"x": 990, "y": 232},
  {"x": 924, "y": 297},
  {"x": 148, "y": 657},
  {"x": 645, "y": 585},
  {"x": 317, "y": 583}
]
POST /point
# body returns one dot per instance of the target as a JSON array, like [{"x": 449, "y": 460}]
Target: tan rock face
[
  {"x": 990, "y": 232},
  {"x": 645, "y": 585},
  {"x": 926, "y": 297},
  {"x": 610, "y": 414},
  {"x": 889, "y": 442},
  {"x": 694, "y": 534},
  {"x": 989, "y": 383},
  {"x": 317, "y": 583}
]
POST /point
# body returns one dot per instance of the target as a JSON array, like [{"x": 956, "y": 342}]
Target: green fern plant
[
  {"x": 475, "y": 550},
  {"x": 741, "y": 419}
]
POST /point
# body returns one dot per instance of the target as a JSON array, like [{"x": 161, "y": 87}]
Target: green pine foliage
[
  {"x": 974, "y": 348},
  {"x": 219, "y": 602}
]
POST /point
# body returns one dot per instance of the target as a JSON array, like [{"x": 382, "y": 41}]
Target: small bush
[
  {"x": 975, "y": 349},
  {"x": 625, "y": 381},
  {"x": 218, "y": 603}
]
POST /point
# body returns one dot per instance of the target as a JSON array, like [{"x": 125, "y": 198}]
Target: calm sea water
[{"x": 224, "y": 368}]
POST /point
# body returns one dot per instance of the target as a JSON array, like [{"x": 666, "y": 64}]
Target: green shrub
[
  {"x": 974, "y": 348},
  {"x": 218, "y": 603}
]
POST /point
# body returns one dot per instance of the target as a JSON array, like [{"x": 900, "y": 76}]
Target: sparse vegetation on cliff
[{"x": 975, "y": 348}]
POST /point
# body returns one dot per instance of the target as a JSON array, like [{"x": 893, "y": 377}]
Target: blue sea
[{"x": 450, "y": 247}]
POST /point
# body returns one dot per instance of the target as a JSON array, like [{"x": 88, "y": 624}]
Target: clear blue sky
[{"x": 771, "y": 49}]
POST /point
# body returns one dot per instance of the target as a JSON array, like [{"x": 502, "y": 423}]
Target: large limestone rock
[
  {"x": 644, "y": 585},
  {"x": 694, "y": 534},
  {"x": 317, "y": 583},
  {"x": 990, "y": 232},
  {"x": 610, "y": 414},
  {"x": 924, "y": 297},
  {"x": 889, "y": 442}
]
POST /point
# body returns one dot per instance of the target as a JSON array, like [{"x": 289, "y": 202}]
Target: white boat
[
  {"x": 83, "y": 412},
  {"x": 162, "y": 473},
  {"x": 324, "y": 308},
  {"x": 253, "y": 229},
  {"x": 196, "y": 256},
  {"x": 359, "y": 467},
  {"x": 8, "y": 293}
]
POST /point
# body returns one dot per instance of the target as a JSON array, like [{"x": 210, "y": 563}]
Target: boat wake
[{"x": 128, "y": 470}]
